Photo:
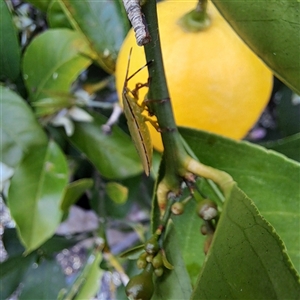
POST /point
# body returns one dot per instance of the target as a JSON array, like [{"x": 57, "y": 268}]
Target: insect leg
[{"x": 138, "y": 86}]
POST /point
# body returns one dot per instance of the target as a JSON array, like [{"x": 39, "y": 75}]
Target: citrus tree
[{"x": 224, "y": 213}]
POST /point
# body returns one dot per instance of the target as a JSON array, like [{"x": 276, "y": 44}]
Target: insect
[
  {"x": 136, "y": 120},
  {"x": 137, "y": 19}
]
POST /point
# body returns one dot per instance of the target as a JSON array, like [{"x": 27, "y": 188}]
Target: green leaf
[
  {"x": 173, "y": 284},
  {"x": 92, "y": 274},
  {"x": 116, "y": 192},
  {"x": 271, "y": 30},
  {"x": 11, "y": 242},
  {"x": 102, "y": 23},
  {"x": 133, "y": 253},
  {"x": 13, "y": 272},
  {"x": 113, "y": 155},
  {"x": 270, "y": 179},
  {"x": 190, "y": 240},
  {"x": 287, "y": 111},
  {"x": 43, "y": 281},
  {"x": 10, "y": 52},
  {"x": 289, "y": 146},
  {"x": 53, "y": 61},
  {"x": 19, "y": 128},
  {"x": 57, "y": 243},
  {"x": 74, "y": 191},
  {"x": 87, "y": 282},
  {"x": 35, "y": 194},
  {"x": 247, "y": 260},
  {"x": 56, "y": 16}
]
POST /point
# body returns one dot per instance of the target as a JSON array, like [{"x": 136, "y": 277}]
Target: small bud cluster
[
  {"x": 152, "y": 255},
  {"x": 151, "y": 261}
]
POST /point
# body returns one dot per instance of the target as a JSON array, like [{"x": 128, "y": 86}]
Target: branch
[
  {"x": 179, "y": 165},
  {"x": 160, "y": 103}
]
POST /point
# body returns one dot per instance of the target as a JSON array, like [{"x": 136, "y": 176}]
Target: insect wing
[{"x": 138, "y": 130}]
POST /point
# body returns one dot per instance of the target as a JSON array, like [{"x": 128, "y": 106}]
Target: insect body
[
  {"x": 136, "y": 122},
  {"x": 138, "y": 22}
]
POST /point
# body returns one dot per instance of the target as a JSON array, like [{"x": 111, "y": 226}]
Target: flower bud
[
  {"x": 157, "y": 261},
  {"x": 141, "y": 262},
  {"x": 151, "y": 246},
  {"x": 207, "y": 209},
  {"x": 159, "y": 271},
  {"x": 177, "y": 208},
  {"x": 203, "y": 229}
]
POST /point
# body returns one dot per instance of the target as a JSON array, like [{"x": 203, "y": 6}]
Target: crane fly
[{"x": 136, "y": 120}]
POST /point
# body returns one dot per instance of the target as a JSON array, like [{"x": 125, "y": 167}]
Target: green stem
[
  {"x": 160, "y": 231},
  {"x": 214, "y": 187},
  {"x": 178, "y": 163},
  {"x": 167, "y": 214},
  {"x": 174, "y": 152},
  {"x": 211, "y": 183},
  {"x": 201, "y": 6},
  {"x": 197, "y": 19}
]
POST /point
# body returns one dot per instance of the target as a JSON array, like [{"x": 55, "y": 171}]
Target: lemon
[{"x": 216, "y": 82}]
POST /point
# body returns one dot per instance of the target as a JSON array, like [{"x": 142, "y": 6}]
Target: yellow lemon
[{"x": 216, "y": 82}]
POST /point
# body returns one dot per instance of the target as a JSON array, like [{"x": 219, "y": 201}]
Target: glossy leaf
[
  {"x": 43, "y": 281},
  {"x": 140, "y": 190},
  {"x": 59, "y": 242},
  {"x": 289, "y": 146},
  {"x": 12, "y": 243},
  {"x": 190, "y": 240},
  {"x": 56, "y": 16},
  {"x": 113, "y": 155},
  {"x": 133, "y": 253},
  {"x": 102, "y": 23},
  {"x": 270, "y": 179},
  {"x": 116, "y": 192},
  {"x": 53, "y": 60},
  {"x": 74, "y": 191},
  {"x": 13, "y": 271},
  {"x": 87, "y": 281},
  {"x": 287, "y": 111},
  {"x": 271, "y": 29},
  {"x": 247, "y": 260},
  {"x": 92, "y": 277},
  {"x": 19, "y": 129},
  {"x": 10, "y": 52},
  {"x": 55, "y": 244},
  {"x": 35, "y": 194}
]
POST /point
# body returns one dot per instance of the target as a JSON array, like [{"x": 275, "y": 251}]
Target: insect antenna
[{"x": 137, "y": 71}]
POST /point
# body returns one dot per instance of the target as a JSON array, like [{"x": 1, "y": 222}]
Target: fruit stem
[{"x": 197, "y": 19}]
